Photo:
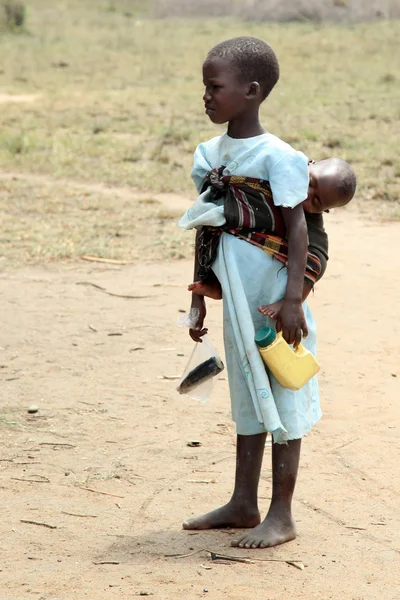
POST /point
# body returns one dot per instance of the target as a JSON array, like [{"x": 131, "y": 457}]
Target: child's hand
[
  {"x": 291, "y": 321},
  {"x": 197, "y": 333}
]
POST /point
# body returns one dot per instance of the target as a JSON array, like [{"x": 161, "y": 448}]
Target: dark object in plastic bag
[{"x": 207, "y": 369}]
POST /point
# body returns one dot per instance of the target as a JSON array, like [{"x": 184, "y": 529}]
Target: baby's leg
[
  {"x": 242, "y": 509},
  {"x": 271, "y": 310},
  {"x": 210, "y": 289},
  {"x": 278, "y": 526}
]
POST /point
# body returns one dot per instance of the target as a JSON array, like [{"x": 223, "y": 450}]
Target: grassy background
[{"x": 119, "y": 101}]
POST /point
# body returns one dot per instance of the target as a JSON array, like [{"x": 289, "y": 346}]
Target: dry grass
[
  {"x": 47, "y": 221},
  {"x": 119, "y": 102},
  {"x": 342, "y": 11}
]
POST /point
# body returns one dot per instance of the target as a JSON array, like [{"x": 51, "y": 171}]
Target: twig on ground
[
  {"x": 106, "y": 562},
  {"x": 81, "y": 487},
  {"x": 98, "y": 287},
  {"x": 38, "y": 523},
  {"x": 201, "y": 481},
  {"x": 110, "y": 261},
  {"x": 42, "y": 479},
  {"x": 347, "y": 443},
  {"x": 294, "y": 563},
  {"x": 57, "y": 444},
  {"x": 297, "y": 565},
  {"x": 189, "y": 553},
  {"x": 242, "y": 559},
  {"x": 88, "y": 403},
  {"x": 77, "y": 515}
]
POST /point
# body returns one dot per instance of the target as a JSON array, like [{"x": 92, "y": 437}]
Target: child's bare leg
[
  {"x": 278, "y": 526},
  {"x": 242, "y": 509},
  {"x": 211, "y": 290},
  {"x": 271, "y": 310}
]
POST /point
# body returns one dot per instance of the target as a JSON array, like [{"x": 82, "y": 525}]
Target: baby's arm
[{"x": 317, "y": 246}]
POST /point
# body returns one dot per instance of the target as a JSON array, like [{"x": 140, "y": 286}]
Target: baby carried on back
[{"x": 244, "y": 207}]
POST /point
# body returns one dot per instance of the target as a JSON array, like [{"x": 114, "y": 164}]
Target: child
[
  {"x": 238, "y": 75},
  {"x": 332, "y": 184}
]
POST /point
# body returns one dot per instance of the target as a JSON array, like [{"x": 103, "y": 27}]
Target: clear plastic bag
[
  {"x": 204, "y": 363},
  {"x": 198, "y": 377}
]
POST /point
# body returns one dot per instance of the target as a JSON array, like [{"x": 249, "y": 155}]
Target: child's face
[
  {"x": 225, "y": 97},
  {"x": 322, "y": 191}
]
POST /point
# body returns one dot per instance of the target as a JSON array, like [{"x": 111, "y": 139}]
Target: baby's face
[{"x": 322, "y": 191}]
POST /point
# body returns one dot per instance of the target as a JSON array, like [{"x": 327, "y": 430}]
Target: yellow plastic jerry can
[{"x": 291, "y": 367}]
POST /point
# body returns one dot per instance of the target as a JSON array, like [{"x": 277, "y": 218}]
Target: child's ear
[{"x": 254, "y": 90}]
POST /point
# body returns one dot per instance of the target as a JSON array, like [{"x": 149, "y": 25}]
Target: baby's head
[
  {"x": 251, "y": 59},
  {"x": 332, "y": 184}
]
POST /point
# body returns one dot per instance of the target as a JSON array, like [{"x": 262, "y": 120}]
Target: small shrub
[
  {"x": 387, "y": 78},
  {"x": 14, "y": 15},
  {"x": 15, "y": 143},
  {"x": 333, "y": 143}
]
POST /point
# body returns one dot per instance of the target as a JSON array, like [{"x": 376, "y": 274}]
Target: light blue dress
[{"x": 249, "y": 278}]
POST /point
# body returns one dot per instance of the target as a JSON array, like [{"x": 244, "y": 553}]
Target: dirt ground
[{"x": 104, "y": 472}]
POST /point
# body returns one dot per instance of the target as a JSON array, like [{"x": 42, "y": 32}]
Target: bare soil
[{"x": 103, "y": 470}]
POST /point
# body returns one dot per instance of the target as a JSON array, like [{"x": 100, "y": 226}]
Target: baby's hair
[
  {"x": 253, "y": 58},
  {"x": 346, "y": 178}
]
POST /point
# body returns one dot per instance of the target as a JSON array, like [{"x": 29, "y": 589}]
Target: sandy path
[{"x": 93, "y": 363}]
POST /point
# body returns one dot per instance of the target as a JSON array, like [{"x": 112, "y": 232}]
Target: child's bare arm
[
  {"x": 198, "y": 302},
  {"x": 291, "y": 320}
]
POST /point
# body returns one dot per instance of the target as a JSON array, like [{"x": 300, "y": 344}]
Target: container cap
[{"x": 264, "y": 337}]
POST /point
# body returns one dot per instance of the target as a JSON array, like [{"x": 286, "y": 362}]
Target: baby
[{"x": 332, "y": 185}]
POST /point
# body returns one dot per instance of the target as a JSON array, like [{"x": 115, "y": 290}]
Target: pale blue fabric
[
  {"x": 203, "y": 212},
  {"x": 264, "y": 157},
  {"x": 249, "y": 277}
]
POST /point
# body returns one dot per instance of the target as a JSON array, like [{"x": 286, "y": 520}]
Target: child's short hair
[
  {"x": 346, "y": 178},
  {"x": 253, "y": 58}
]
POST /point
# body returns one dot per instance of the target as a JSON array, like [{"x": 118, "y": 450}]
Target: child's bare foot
[
  {"x": 274, "y": 530},
  {"x": 230, "y": 515},
  {"x": 271, "y": 310},
  {"x": 211, "y": 290}
]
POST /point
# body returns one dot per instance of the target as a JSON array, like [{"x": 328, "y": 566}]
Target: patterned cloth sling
[{"x": 251, "y": 215}]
